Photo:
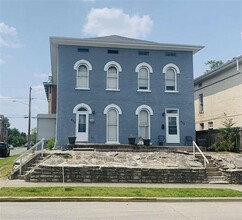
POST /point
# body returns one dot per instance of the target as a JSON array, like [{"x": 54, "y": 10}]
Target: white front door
[
  {"x": 172, "y": 126},
  {"x": 82, "y": 119}
]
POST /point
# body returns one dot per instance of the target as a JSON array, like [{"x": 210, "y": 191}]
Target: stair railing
[
  {"x": 194, "y": 147},
  {"x": 35, "y": 147}
]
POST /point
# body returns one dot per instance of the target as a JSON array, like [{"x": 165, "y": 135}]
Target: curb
[{"x": 118, "y": 199}]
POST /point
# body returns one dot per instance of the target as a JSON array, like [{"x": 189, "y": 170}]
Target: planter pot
[
  {"x": 146, "y": 142},
  {"x": 72, "y": 140},
  {"x": 132, "y": 140}
]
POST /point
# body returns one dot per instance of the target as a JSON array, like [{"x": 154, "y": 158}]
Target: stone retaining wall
[
  {"x": 235, "y": 176},
  {"x": 116, "y": 175}
]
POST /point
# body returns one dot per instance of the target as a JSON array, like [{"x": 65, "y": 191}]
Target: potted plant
[
  {"x": 72, "y": 139},
  {"x": 131, "y": 139},
  {"x": 146, "y": 142}
]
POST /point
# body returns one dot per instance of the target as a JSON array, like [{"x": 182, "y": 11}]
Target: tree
[
  {"x": 15, "y": 137},
  {"x": 34, "y": 135},
  {"x": 5, "y": 122},
  {"x": 227, "y": 139},
  {"x": 213, "y": 64}
]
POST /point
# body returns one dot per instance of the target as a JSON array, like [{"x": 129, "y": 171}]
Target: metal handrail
[
  {"x": 194, "y": 146},
  {"x": 27, "y": 151}
]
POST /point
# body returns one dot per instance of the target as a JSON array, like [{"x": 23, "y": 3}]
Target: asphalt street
[{"x": 121, "y": 210}]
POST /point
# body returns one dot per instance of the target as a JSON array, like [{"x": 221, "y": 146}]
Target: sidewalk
[{"x": 22, "y": 183}]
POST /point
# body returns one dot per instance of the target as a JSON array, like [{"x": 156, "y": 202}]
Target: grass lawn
[
  {"x": 115, "y": 192},
  {"x": 6, "y": 166}
]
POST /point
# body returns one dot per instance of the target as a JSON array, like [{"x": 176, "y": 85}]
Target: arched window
[
  {"x": 144, "y": 112},
  {"x": 171, "y": 72},
  {"x": 82, "y": 68},
  {"x": 112, "y": 123},
  {"x": 112, "y": 78},
  {"x": 143, "y": 70},
  {"x": 113, "y": 69}
]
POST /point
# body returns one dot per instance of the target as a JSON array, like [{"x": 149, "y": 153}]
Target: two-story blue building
[{"x": 109, "y": 88}]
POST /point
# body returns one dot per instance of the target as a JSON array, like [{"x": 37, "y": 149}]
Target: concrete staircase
[
  {"x": 214, "y": 175},
  {"x": 31, "y": 167}
]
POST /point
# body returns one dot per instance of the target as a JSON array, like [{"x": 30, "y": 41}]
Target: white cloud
[
  {"x": 8, "y": 36},
  {"x": 109, "y": 21}
]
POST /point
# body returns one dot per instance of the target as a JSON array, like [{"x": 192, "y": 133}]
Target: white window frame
[
  {"x": 176, "y": 70},
  {"x": 76, "y": 68},
  {"x": 118, "y": 68},
  {"x": 149, "y": 69},
  {"x": 119, "y": 112},
  {"x": 150, "y": 112}
]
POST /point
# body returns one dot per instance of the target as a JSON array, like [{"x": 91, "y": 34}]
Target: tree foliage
[
  {"x": 16, "y": 138},
  {"x": 227, "y": 139},
  {"x": 213, "y": 64},
  {"x": 5, "y": 122}
]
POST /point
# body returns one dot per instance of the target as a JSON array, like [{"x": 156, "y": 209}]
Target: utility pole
[{"x": 29, "y": 121}]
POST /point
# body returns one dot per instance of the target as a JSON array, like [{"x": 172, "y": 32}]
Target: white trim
[
  {"x": 112, "y": 106},
  {"x": 143, "y": 65},
  {"x": 82, "y": 105},
  {"x": 82, "y": 88},
  {"x": 171, "y": 91},
  {"x": 144, "y": 107},
  {"x": 143, "y": 90},
  {"x": 113, "y": 90},
  {"x": 112, "y": 63},
  {"x": 170, "y": 65},
  {"x": 80, "y": 62}
]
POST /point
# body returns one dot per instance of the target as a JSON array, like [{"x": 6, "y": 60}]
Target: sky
[{"x": 26, "y": 25}]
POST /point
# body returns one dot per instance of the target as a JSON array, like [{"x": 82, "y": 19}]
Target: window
[
  {"x": 113, "y": 51},
  {"x": 144, "y": 53},
  {"x": 201, "y": 126},
  {"x": 144, "y": 112},
  {"x": 143, "y": 70},
  {"x": 200, "y": 98},
  {"x": 171, "y": 71},
  {"x": 83, "y": 50},
  {"x": 82, "y": 68},
  {"x": 113, "y": 69},
  {"x": 112, "y": 78},
  {"x": 143, "y": 79},
  {"x": 170, "y": 54},
  {"x": 210, "y": 125},
  {"x": 112, "y": 123}
]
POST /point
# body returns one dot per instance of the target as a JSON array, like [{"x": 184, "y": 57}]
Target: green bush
[
  {"x": 50, "y": 144},
  {"x": 227, "y": 140}
]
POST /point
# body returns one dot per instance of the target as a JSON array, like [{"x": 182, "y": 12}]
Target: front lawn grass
[
  {"x": 115, "y": 192},
  {"x": 6, "y": 165}
]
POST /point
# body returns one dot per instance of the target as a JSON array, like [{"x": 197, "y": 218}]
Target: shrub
[
  {"x": 50, "y": 144},
  {"x": 227, "y": 140}
]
